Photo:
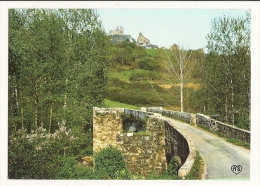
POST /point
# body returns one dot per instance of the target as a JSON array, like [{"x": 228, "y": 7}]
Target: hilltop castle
[
  {"x": 118, "y": 36},
  {"x": 117, "y": 31}
]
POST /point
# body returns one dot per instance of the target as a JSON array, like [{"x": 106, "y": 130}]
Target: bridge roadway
[{"x": 218, "y": 154}]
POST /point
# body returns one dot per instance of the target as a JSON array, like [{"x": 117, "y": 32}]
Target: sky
[{"x": 164, "y": 27}]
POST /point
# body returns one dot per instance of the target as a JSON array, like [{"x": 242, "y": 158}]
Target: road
[{"x": 218, "y": 154}]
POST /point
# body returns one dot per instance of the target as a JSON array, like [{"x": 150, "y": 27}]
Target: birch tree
[{"x": 179, "y": 68}]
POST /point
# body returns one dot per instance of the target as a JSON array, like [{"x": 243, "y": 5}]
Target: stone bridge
[{"x": 167, "y": 136}]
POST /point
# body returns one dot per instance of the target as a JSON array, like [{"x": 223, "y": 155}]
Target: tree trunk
[
  {"x": 226, "y": 109},
  {"x": 232, "y": 103},
  {"x": 65, "y": 102},
  {"x": 36, "y": 102},
  {"x": 181, "y": 82},
  {"x": 22, "y": 118},
  {"x": 50, "y": 118}
]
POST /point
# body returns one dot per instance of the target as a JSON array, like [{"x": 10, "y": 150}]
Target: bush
[
  {"x": 110, "y": 164},
  {"x": 36, "y": 155},
  {"x": 147, "y": 63},
  {"x": 174, "y": 165},
  {"x": 165, "y": 175},
  {"x": 71, "y": 169}
]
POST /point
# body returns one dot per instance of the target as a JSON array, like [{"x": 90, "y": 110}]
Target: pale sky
[{"x": 163, "y": 27}]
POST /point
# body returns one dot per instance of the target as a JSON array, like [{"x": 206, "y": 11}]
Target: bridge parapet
[
  {"x": 207, "y": 122},
  {"x": 183, "y": 116},
  {"x": 223, "y": 128}
]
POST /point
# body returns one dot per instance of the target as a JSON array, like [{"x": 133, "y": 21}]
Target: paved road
[{"x": 218, "y": 154}]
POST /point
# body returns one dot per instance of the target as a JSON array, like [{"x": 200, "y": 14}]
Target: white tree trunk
[{"x": 181, "y": 82}]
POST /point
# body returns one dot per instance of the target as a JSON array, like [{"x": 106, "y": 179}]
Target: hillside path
[{"x": 218, "y": 154}]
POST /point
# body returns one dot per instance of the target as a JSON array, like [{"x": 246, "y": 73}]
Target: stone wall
[
  {"x": 176, "y": 143},
  {"x": 143, "y": 152},
  {"x": 146, "y": 151},
  {"x": 222, "y": 128},
  {"x": 183, "y": 116},
  {"x": 107, "y": 124}
]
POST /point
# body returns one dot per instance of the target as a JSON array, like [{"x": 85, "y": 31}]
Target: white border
[{"x": 254, "y": 6}]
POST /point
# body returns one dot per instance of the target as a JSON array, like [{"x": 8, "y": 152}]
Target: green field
[
  {"x": 152, "y": 52},
  {"x": 114, "y": 104},
  {"x": 126, "y": 75}
]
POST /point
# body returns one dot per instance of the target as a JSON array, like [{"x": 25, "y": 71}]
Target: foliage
[
  {"x": 71, "y": 169},
  {"x": 137, "y": 93},
  {"x": 163, "y": 176},
  {"x": 174, "y": 165},
  {"x": 147, "y": 63},
  {"x": 35, "y": 155},
  {"x": 238, "y": 143},
  {"x": 57, "y": 67},
  {"x": 227, "y": 78},
  {"x": 110, "y": 164},
  {"x": 196, "y": 170},
  {"x": 179, "y": 66}
]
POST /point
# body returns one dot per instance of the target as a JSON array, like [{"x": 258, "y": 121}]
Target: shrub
[
  {"x": 174, "y": 165},
  {"x": 147, "y": 63},
  {"x": 71, "y": 169},
  {"x": 35, "y": 155},
  {"x": 163, "y": 176},
  {"x": 110, "y": 164}
]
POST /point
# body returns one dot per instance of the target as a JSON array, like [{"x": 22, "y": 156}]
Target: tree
[
  {"x": 179, "y": 65},
  {"x": 123, "y": 56},
  {"x": 228, "y": 88},
  {"x": 57, "y": 73},
  {"x": 57, "y": 67}
]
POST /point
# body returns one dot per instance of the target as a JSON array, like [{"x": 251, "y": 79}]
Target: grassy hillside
[
  {"x": 134, "y": 81},
  {"x": 115, "y": 104},
  {"x": 152, "y": 52}
]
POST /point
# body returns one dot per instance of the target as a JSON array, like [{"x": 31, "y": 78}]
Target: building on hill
[
  {"x": 115, "y": 39},
  {"x": 144, "y": 42},
  {"x": 117, "y": 31},
  {"x": 118, "y": 36}
]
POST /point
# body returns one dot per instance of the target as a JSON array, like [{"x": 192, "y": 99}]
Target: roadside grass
[
  {"x": 230, "y": 140},
  {"x": 115, "y": 104},
  {"x": 238, "y": 143},
  {"x": 197, "y": 169}
]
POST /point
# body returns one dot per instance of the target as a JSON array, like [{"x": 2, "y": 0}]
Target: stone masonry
[
  {"x": 213, "y": 125},
  {"x": 147, "y": 151}
]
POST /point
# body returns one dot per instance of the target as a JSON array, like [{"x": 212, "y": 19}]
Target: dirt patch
[{"x": 194, "y": 86}]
